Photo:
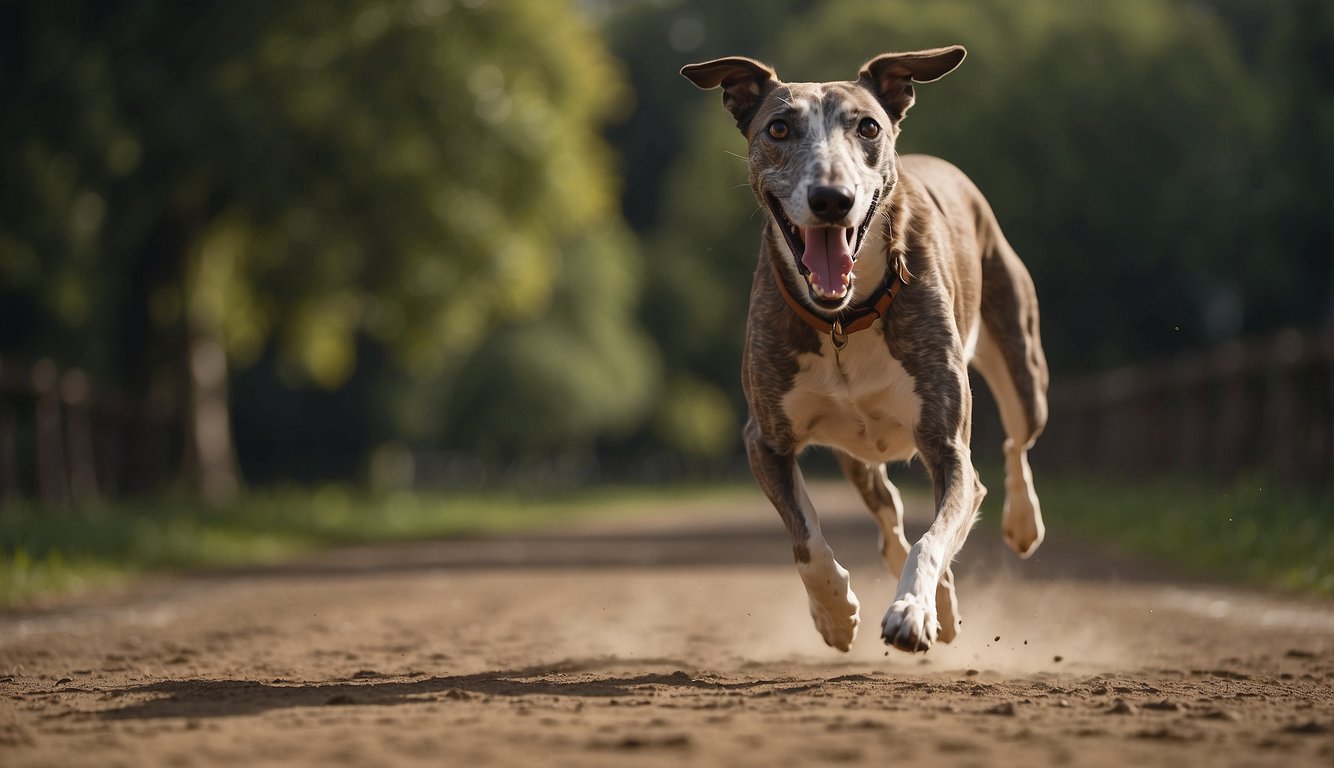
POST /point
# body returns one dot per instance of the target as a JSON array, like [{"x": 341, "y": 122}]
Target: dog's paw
[
  {"x": 837, "y": 623},
  {"x": 834, "y": 608},
  {"x": 910, "y": 624},
  {"x": 1021, "y": 522}
]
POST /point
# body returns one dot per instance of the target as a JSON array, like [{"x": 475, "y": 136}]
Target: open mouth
[{"x": 824, "y": 255}]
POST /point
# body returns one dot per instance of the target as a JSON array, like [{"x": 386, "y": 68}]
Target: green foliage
[
  {"x": 48, "y": 551},
  {"x": 405, "y": 170},
  {"x": 700, "y": 217},
  {"x": 1162, "y": 167},
  {"x": 558, "y": 381},
  {"x": 696, "y": 419},
  {"x": 654, "y": 39},
  {"x": 1247, "y": 530},
  {"x": 409, "y": 201},
  {"x": 301, "y": 180},
  {"x": 1107, "y": 137},
  {"x": 701, "y": 263}
]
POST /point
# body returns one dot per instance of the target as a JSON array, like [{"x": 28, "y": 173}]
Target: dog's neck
[
  {"x": 885, "y": 247},
  {"x": 872, "y": 267},
  {"x": 879, "y": 274}
]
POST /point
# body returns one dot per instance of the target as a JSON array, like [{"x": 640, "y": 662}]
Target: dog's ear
[
  {"x": 745, "y": 83},
  {"x": 891, "y": 75}
]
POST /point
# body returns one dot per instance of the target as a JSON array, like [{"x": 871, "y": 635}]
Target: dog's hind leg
[
  {"x": 1009, "y": 356},
  {"x": 886, "y": 506},
  {"x": 833, "y": 605}
]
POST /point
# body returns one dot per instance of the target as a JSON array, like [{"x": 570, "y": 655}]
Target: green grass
[
  {"x": 47, "y": 551},
  {"x": 1248, "y": 530},
  {"x": 1244, "y": 531}
]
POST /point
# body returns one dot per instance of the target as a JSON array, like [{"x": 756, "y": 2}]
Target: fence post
[
  {"x": 1263, "y": 404},
  {"x": 9, "y": 471},
  {"x": 1283, "y": 427},
  {"x": 1193, "y": 400},
  {"x": 50, "y": 454},
  {"x": 1231, "y": 367},
  {"x": 74, "y": 390}
]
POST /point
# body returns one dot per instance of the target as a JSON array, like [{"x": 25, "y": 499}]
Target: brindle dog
[{"x": 880, "y": 279}]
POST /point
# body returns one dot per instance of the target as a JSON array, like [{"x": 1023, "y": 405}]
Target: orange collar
[{"x": 849, "y": 321}]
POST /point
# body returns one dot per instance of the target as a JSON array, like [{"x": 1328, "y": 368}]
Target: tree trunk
[
  {"x": 149, "y": 350},
  {"x": 177, "y": 371},
  {"x": 210, "y": 453}
]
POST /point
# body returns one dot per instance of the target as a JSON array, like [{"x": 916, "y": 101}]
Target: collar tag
[{"x": 838, "y": 336}]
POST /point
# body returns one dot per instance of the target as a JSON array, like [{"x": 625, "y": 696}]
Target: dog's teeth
[{"x": 825, "y": 294}]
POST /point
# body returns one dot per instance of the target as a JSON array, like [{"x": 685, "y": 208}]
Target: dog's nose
[{"x": 830, "y": 203}]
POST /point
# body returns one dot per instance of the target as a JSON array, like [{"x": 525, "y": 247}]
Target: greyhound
[{"x": 880, "y": 280}]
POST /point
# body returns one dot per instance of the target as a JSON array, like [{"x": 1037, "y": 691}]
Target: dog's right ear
[{"x": 745, "y": 83}]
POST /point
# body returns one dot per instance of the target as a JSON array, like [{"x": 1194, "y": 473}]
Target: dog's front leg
[
  {"x": 913, "y": 620},
  {"x": 833, "y": 605}
]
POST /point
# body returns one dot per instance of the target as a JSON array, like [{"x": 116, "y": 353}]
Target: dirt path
[{"x": 682, "y": 640}]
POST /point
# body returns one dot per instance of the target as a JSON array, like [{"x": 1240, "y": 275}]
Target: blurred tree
[
  {"x": 1108, "y": 137},
  {"x": 655, "y": 39},
  {"x": 1297, "y": 178},
  {"x": 1120, "y": 144},
  {"x": 553, "y": 383},
  {"x": 698, "y": 266},
  {"x": 393, "y": 220},
  {"x": 188, "y": 186}
]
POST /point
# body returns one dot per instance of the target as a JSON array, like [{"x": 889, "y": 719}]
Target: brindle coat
[{"x": 899, "y": 388}]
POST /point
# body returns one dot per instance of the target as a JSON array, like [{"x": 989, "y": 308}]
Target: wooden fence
[
  {"x": 1258, "y": 405},
  {"x": 1263, "y": 405},
  {"x": 65, "y": 439}
]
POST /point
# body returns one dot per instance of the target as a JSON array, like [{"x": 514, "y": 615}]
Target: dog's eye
[
  {"x": 778, "y": 130},
  {"x": 868, "y": 128}
]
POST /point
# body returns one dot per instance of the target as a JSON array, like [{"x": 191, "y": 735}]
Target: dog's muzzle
[{"x": 825, "y": 254}]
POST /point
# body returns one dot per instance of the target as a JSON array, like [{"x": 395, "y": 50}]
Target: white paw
[
  {"x": 834, "y": 607},
  {"x": 837, "y": 623},
  {"x": 1021, "y": 522},
  {"x": 910, "y": 624}
]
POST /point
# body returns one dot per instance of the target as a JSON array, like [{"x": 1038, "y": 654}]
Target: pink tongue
[{"x": 827, "y": 256}]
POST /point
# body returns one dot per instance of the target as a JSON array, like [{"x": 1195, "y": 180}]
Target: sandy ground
[{"x": 682, "y": 639}]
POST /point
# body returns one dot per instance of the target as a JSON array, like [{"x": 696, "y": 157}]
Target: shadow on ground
[{"x": 231, "y": 698}]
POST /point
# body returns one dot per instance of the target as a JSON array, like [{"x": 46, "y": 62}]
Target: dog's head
[{"x": 822, "y": 155}]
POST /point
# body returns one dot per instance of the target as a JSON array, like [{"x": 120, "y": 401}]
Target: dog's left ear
[
  {"x": 891, "y": 75},
  {"x": 745, "y": 83}
]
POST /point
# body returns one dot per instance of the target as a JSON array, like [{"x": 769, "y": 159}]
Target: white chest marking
[{"x": 861, "y": 401}]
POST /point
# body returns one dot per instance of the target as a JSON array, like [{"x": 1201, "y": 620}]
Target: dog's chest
[{"x": 860, "y": 401}]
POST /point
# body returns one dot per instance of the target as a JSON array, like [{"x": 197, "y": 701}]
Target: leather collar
[{"x": 849, "y": 320}]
